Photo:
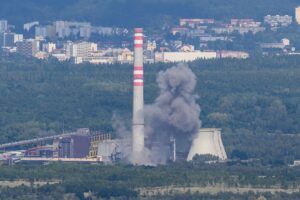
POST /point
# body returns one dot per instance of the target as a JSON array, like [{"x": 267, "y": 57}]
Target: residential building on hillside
[
  {"x": 45, "y": 31},
  {"x": 28, "y": 47},
  {"x": 66, "y": 29},
  {"x": 278, "y": 20},
  {"x": 3, "y": 25},
  {"x": 79, "y": 51},
  {"x": 49, "y": 47},
  {"x": 297, "y": 15},
  {"x": 29, "y": 25},
  {"x": 9, "y": 39},
  {"x": 183, "y": 56},
  {"x": 233, "y": 54},
  {"x": 195, "y": 22}
]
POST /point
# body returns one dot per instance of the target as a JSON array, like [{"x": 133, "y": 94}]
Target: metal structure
[
  {"x": 94, "y": 142},
  {"x": 83, "y": 160},
  {"x": 37, "y": 140},
  {"x": 138, "y": 97}
]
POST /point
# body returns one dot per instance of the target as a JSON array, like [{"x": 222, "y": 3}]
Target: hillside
[{"x": 128, "y": 13}]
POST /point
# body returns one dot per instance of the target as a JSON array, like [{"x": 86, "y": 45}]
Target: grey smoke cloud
[{"x": 174, "y": 112}]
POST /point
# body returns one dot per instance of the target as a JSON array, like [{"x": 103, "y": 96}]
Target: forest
[
  {"x": 255, "y": 101},
  {"x": 129, "y": 182},
  {"x": 147, "y": 13}
]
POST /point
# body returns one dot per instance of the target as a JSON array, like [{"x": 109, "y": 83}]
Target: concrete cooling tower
[{"x": 208, "y": 141}]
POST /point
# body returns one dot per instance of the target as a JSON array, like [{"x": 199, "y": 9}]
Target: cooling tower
[
  {"x": 138, "y": 98},
  {"x": 208, "y": 141}
]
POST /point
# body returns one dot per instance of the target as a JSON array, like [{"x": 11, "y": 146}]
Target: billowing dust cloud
[{"x": 174, "y": 113}]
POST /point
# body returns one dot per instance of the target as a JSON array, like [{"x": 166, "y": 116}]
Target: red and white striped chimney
[{"x": 138, "y": 97}]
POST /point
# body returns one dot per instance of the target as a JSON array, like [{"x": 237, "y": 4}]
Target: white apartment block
[
  {"x": 9, "y": 39},
  {"x": 3, "y": 25},
  {"x": 66, "y": 29},
  {"x": 28, "y": 47},
  {"x": 183, "y": 56},
  {"x": 297, "y": 15},
  {"x": 49, "y": 47},
  {"x": 80, "y": 50},
  {"x": 41, "y": 31},
  {"x": 278, "y": 20},
  {"x": 29, "y": 25}
]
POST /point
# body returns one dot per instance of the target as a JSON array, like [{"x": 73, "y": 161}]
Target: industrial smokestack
[{"x": 138, "y": 134}]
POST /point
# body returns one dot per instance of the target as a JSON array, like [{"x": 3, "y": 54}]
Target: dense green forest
[
  {"x": 128, "y": 182},
  {"x": 254, "y": 101},
  {"x": 130, "y": 13}
]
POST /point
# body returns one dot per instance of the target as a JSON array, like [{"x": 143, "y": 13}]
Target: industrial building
[
  {"x": 208, "y": 141},
  {"x": 95, "y": 140},
  {"x": 91, "y": 147},
  {"x": 84, "y": 145}
]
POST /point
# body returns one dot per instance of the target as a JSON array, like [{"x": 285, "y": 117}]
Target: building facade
[
  {"x": 3, "y": 25},
  {"x": 184, "y": 56},
  {"x": 28, "y": 48},
  {"x": 297, "y": 15}
]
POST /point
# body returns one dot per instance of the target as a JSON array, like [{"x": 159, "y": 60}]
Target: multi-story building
[
  {"x": 9, "y": 39},
  {"x": 297, "y": 14},
  {"x": 41, "y": 31},
  {"x": 45, "y": 31},
  {"x": 28, "y": 47},
  {"x": 278, "y": 20},
  {"x": 195, "y": 22},
  {"x": 233, "y": 54},
  {"x": 179, "y": 30},
  {"x": 210, "y": 38},
  {"x": 49, "y": 47},
  {"x": 240, "y": 30},
  {"x": 66, "y": 29},
  {"x": 3, "y": 25},
  {"x": 283, "y": 44},
  {"x": 75, "y": 146},
  {"x": 30, "y": 25},
  {"x": 184, "y": 56},
  {"x": 151, "y": 45},
  {"x": 85, "y": 31},
  {"x": 103, "y": 30},
  {"x": 80, "y": 51}
]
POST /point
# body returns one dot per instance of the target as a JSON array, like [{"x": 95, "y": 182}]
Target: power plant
[
  {"x": 208, "y": 141},
  {"x": 138, "y": 135},
  {"x": 172, "y": 131}
]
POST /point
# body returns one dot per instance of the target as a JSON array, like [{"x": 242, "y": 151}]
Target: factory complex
[{"x": 88, "y": 146}]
